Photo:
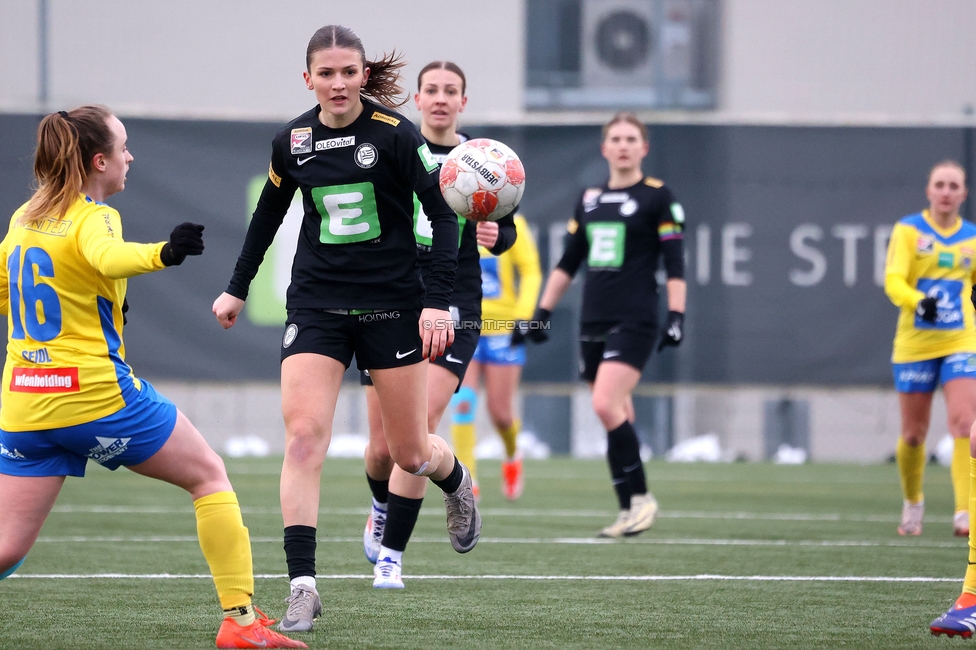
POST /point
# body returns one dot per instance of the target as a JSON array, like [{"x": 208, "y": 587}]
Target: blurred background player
[
  {"x": 510, "y": 286},
  {"x": 68, "y": 394},
  {"x": 621, "y": 230},
  {"x": 929, "y": 273},
  {"x": 398, "y": 495},
  {"x": 355, "y": 288}
]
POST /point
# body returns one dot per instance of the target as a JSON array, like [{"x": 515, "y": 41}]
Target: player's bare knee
[{"x": 306, "y": 441}]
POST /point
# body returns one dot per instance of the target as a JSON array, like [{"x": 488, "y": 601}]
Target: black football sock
[
  {"x": 453, "y": 480},
  {"x": 401, "y": 517},
  {"x": 625, "y": 439},
  {"x": 380, "y": 489},
  {"x": 300, "y": 551}
]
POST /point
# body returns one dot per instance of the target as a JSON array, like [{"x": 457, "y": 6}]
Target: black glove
[
  {"x": 186, "y": 239},
  {"x": 518, "y": 332},
  {"x": 926, "y": 308},
  {"x": 673, "y": 333},
  {"x": 125, "y": 308},
  {"x": 537, "y": 329}
]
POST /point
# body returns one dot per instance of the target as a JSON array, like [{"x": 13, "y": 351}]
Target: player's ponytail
[
  {"x": 66, "y": 144},
  {"x": 384, "y": 75}
]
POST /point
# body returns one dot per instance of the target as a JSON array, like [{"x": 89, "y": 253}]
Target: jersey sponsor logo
[
  {"x": 56, "y": 227},
  {"x": 372, "y": 317},
  {"x": 925, "y": 244},
  {"x": 291, "y": 333},
  {"x": 383, "y": 117},
  {"x": 946, "y": 260},
  {"x": 427, "y": 158},
  {"x": 491, "y": 284},
  {"x": 914, "y": 376},
  {"x": 606, "y": 244},
  {"x": 273, "y": 176},
  {"x": 10, "y": 453},
  {"x": 36, "y": 356},
  {"x": 650, "y": 181},
  {"x": 302, "y": 161},
  {"x": 677, "y": 212},
  {"x": 301, "y": 141},
  {"x": 107, "y": 449},
  {"x": 366, "y": 155},
  {"x": 44, "y": 380},
  {"x": 572, "y": 226},
  {"x": 349, "y": 213},
  {"x": 439, "y": 158},
  {"x": 591, "y": 198},
  {"x": 948, "y": 295},
  {"x": 628, "y": 208},
  {"x": 614, "y": 197},
  {"x": 335, "y": 143}
]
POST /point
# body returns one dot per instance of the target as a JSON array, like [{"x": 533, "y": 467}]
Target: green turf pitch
[{"x": 742, "y": 556}]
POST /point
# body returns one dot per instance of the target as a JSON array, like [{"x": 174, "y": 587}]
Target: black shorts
[
  {"x": 378, "y": 339},
  {"x": 630, "y": 343},
  {"x": 457, "y": 357}
]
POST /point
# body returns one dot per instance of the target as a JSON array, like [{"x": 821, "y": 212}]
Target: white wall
[{"x": 798, "y": 61}]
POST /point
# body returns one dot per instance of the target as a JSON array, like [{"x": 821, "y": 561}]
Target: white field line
[
  {"x": 359, "y": 576},
  {"x": 585, "y": 541},
  {"x": 512, "y": 512}
]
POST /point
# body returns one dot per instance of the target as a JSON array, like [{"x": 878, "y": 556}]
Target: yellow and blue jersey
[
  {"x": 510, "y": 282},
  {"x": 62, "y": 283},
  {"x": 927, "y": 260}
]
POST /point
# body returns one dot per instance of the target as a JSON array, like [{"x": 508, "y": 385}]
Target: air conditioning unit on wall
[
  {"x": 618, "y": 40},
  {"x": 639, "y": 43}
]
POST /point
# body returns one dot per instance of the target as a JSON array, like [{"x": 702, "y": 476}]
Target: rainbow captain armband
[{"x": 9, "y": 572}]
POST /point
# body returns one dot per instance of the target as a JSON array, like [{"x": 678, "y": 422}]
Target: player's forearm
[
  {"x": 677, "y": 294},
  {"x": 556, "y": 287},
  {"x": 118, "y": 259},
  {"x": 900, "y": 292}
]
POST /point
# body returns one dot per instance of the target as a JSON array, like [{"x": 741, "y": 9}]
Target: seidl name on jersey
[{"x": 335, "y": 143}]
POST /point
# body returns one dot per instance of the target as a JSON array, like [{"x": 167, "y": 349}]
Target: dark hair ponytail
[
  {"x": 384, "y": 75},
  {"x": 66, "y": 144}
]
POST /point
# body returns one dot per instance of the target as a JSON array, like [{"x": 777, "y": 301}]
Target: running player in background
[
  {"x": 398, "y": 495},
  {"x": 356, "y": 288},
  {"x": 510, "y": 284},
  {"x": 68, "y": 395},
  {"x": 929, "y": 272},
  {"x": 621, "y": 229}
]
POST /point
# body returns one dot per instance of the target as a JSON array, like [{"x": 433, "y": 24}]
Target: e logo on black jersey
[{"x": 366, "y": 155}]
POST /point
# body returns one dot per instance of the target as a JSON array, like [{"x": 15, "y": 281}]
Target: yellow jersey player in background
[
  {"x": 68, "y": 395},
  {"x": 929, "y": 274},
  {"x": 510, "y": 286}
]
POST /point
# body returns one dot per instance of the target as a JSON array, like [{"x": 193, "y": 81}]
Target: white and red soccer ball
[{"x": 482, "y": 179}]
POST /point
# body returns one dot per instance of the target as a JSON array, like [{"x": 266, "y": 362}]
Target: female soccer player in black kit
[
  {"x": 356, "y": 288},
  {"x": 621, "y": 230},
  {"x": 398, "y": 495}
]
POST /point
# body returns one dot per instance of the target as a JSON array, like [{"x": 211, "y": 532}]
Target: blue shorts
[
  {"x": 498, "y": 349},
  {"x": 924, "y": 376},
  {"x": 127, "y": 437}
]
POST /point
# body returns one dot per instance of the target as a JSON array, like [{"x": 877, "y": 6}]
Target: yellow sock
[
  {"x": 911, "y": 466},
  {"x": 227, "y": 548},
  {"x": 960, "y": 473},
  {"x": 463, "y": 439},
  {"x": 969, "y": 584},
  {"x": 509, "y": 435}
]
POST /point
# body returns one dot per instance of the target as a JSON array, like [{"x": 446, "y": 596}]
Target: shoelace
[
  {"x": 379, "y": 523},
  {"x": 298, "y": 599},
  {"x": 386, "y": 569}
]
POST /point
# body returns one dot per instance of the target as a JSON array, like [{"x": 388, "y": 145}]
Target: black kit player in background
[
  {"x": 356, "y": 288},
  {"x": 621, "y": 230},
  {"x": 398, "y": 495}
]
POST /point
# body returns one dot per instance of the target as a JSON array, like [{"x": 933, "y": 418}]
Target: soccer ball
[{"x": 482, "y": 179}]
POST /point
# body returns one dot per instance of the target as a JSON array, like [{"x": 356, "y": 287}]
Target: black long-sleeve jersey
[
  {"x": 622, "y": 234},
  {"x": 356, "y": 248},
  {"x": 467, "y": 282}
]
